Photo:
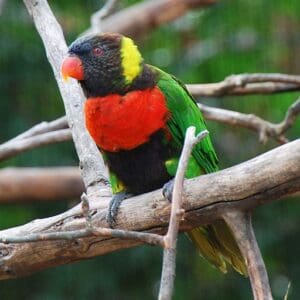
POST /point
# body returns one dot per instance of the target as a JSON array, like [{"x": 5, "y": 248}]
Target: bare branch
[
  {"x": 43, "y": 127},
  {"x": 141, "y": 18},
  {"x": 98, "y": 16},
  {"x": 264, "y": 128},
  {"x": 40, "y": 184},
  {"x": 241, "y": 226},
  {"x": 2, "y": 4},
  {"x": 149, "y": 238},
  {"x": 245, "y": 84},
  {"x": 90, "y": 160},
  {"x": 290, "y": 118},
  {"x": 206, "y": 198},
  {"x": 170, "y": 239},
  {"x": 17, "y": 146}
]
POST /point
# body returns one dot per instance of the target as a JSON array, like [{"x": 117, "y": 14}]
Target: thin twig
[
  {"x": 149, "y": 238},
  {"x": 241, "y": 226},
  {"x": 245, "y": 84},
  {"x": 170, "y": 239},
  {"x": 17, "y": 146},
  {"x": 97, "y": 17},
  {"x": 2, "y": 4},
  {"x": 90, "y": 230},
  {"x": 264, "y": 128},
  {"x": 139, "y": 19},
  {"x": 290, "y": 118},
  {"x": 43, "y": 127}
]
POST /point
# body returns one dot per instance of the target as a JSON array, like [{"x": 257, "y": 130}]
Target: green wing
[
  {"x": 185, "y": 113},
  {"x": 214, "y": 242}
]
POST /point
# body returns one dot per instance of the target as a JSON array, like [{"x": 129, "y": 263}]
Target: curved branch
[
  {"x": 264, "y": 128},
  {"x": 139, "y": 19},
  {"x": 205, "y": 199},
  {"x": 43, "y": 127},
  {"x": 20, "y": 145},
  {"x": 245, "y": 84},
  {"x": 98, "y": 16}
]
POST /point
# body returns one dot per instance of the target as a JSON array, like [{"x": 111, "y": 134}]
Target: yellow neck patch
[{"x": 131, "y": 59}]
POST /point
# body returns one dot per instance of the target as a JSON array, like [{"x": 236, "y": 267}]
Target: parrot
[{"x": 138, "y": 115}]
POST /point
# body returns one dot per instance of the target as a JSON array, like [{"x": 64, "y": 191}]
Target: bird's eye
[{"x": 97, "y": 51}]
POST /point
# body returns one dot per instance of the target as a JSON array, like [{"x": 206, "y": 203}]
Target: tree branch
[
  {"x": 38, "y": 184},
  {"x": 12, "y": 148},
  {"x": 98, "y": 16},
  {"x": 206, "y": 198},
  {"x": 245, "y": 84},
  {"x": 264, "y": 128},
  {"x": 170, "y": 239},
  {"x": 43, "y": 127},
  {"x": 241, "y": 225},
  {"x": 38, "y": 136},
  {"x": 56, "y": 49},
  {"x": 139, "y": 19}
]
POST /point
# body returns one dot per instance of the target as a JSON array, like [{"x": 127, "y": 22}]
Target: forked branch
[
  {"x": 170, "y": 239},
  {"x": 42, "y": 134},
  {"x": 206, "y": 198},
  {"x": 245, "y": 84}
]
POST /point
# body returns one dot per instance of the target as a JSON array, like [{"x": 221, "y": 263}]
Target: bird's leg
[
  {"x": 114, "y": 205},
  {"x": 167, "y": 190}
]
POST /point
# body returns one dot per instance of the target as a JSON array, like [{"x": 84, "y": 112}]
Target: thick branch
[
  {"x": 206, "y": 198},
  {"x": 141, "y": 18},
  {"x": 29, "y": 184},
  {"x": 56, "y": 49}
]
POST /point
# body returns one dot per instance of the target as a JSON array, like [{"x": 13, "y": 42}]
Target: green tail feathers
[{"x": 217, "y": 244}]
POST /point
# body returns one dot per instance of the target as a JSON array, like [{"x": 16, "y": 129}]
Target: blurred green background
[{"x": 204, "y": 46}]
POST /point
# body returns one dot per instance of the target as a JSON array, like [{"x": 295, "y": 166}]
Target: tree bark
[{"x": 263, "y": 179}]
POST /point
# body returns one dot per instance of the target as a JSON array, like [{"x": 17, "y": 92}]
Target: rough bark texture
[
  {"x": 241, "y": 225},
  {"x": 56, "y": 49},
  {"x": 277, "y": 174}
]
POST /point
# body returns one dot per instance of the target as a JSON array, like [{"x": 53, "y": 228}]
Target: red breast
[{"x": 118, "y": 122}]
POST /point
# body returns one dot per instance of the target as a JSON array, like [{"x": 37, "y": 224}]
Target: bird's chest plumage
[{"x": 124, "y": 122}]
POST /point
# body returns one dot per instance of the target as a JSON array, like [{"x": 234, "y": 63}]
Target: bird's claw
[
  {"x": 113, "y": 207},
  {"x": 167, "y": 190}
]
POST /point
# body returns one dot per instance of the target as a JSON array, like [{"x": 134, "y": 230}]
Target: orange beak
[{"x": 72, "y": 67}]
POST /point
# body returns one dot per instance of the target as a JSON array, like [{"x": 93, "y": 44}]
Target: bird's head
[{"x": 105, "y": 63}]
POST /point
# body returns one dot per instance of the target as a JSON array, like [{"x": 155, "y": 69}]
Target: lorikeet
[{"x": 138, "y": 115}]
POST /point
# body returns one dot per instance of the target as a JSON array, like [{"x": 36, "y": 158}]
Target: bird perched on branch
[{"x": 138, "y": 115}]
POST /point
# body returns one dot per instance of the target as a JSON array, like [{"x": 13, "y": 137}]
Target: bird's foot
[
  {"x": 113, "y": 207},
  {"x": 167, "y": 190}
]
